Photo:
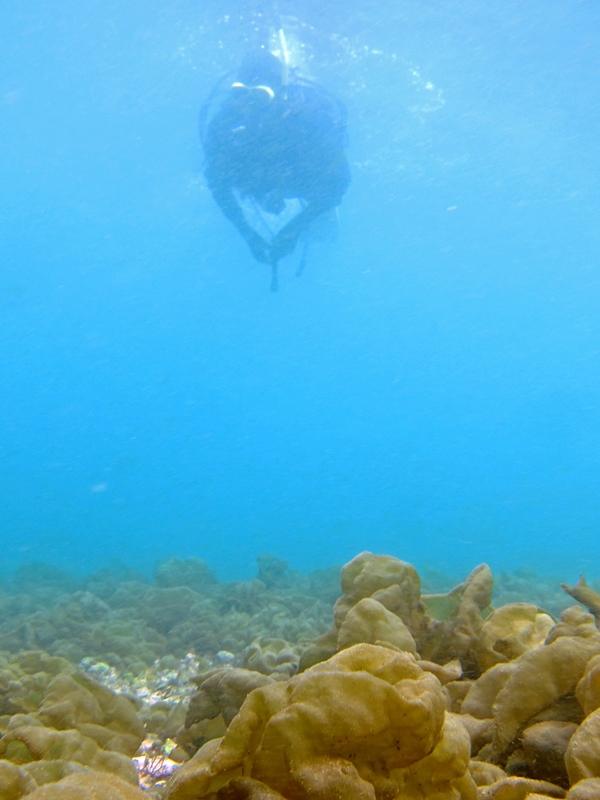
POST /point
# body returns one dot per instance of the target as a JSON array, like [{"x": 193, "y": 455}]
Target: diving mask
[{"x": 260, "y": 94}]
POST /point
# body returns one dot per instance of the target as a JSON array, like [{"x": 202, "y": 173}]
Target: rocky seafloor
[{"x": 367, "y": 682}]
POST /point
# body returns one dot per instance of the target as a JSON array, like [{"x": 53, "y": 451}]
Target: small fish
[{"x": 584, "y": 595}]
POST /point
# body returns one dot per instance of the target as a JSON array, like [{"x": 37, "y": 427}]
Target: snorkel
[{"x": 285, "y": 59}]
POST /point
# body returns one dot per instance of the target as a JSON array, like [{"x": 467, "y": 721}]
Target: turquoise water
[{"x": 429, "y": 388}]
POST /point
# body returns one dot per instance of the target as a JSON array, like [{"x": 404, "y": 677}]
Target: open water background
[{"x": 430, "y": 387}]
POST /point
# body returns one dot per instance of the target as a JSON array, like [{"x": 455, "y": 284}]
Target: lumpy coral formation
[
  {"x": 77, "y": 721},
  {"x": 367, "y": 722},
  {"x": 382, "y": 604},
  {"x": 239, "y": 691},
  {"x": 519, "y": 687},
  {"x": 130, "y": 622}
]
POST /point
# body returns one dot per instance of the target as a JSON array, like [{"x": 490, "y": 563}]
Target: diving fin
[
  {"x": 304, "y": 256},
  {"x": 274, "y": 280}
]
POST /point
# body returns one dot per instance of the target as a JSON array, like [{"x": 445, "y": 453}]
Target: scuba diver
[{"x": 273, "y": 142}]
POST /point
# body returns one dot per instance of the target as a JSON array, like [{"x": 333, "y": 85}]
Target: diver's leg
[
  {"x": 274, "y": 279},
  {"x": 304, "y": 254}
]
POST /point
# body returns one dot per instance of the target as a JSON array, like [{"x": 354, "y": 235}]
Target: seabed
[{"x": 368, "y": 681}]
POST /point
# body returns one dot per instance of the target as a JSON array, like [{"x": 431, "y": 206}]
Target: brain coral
[{"x": 364, "y": 724}]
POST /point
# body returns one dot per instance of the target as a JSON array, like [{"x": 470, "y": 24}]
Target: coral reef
[
  {"x": 520, "y": 687},
  {"x": 196, "y": 689},
  {"x": 130, "y": 623},
  {"x": 382, "y": 604},
  {"x": 78, "y": 721}
]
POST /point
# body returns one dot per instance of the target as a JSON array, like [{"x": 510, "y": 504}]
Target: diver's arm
[
  {"x": 217, "y": 144},
  {"x": 332, "y": 190},
  {"x": 331, "y": 178},
  {"x": 227, "y": 202},
  {"x": 287, "y": 238}
]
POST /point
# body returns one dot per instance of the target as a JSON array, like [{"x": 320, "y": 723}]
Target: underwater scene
[{"x": 300, "y": 400}]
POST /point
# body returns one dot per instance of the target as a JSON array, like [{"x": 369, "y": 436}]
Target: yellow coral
[
  {"x": 370, "y": 622},
  {"x": 14, "y": 782},
  {"x": 393, "y": 583},
  {"x": 221, "y": 692},
  {"x": 458, "y": 620},
  {"x": 485, "y": 774},
  {"x": 588, "y": 688},
  {"x": 380, "y": 603},
  {"x": 510, "y": 631},
  {"x": 583, "y": 753},
  {"x": 88, "y": 785},
  {"x": 368, "y": 573},
  {"x": 24, "y": 743},
  {"x": 444, "y": 773},
  {"x": 274, "y": 657},
  {"x": 541, "y": 676},
  {"x": 520, "y": 789},
  {"x": 587, "y": 789},
  {"x": 584, "y": 595},
  {"x": 544, "y": 745},
  {"x": 480, "y": 699},
  {"x": 345, "y": 727}
]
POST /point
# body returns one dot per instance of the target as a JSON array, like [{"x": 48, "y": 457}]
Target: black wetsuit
[{"x": 290, "y": 146}]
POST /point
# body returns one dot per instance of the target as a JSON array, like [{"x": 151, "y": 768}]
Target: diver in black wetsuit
[{"x": 271, "y": 142}]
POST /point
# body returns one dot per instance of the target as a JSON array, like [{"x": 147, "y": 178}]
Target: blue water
[{"x": 429, "y": 388}]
